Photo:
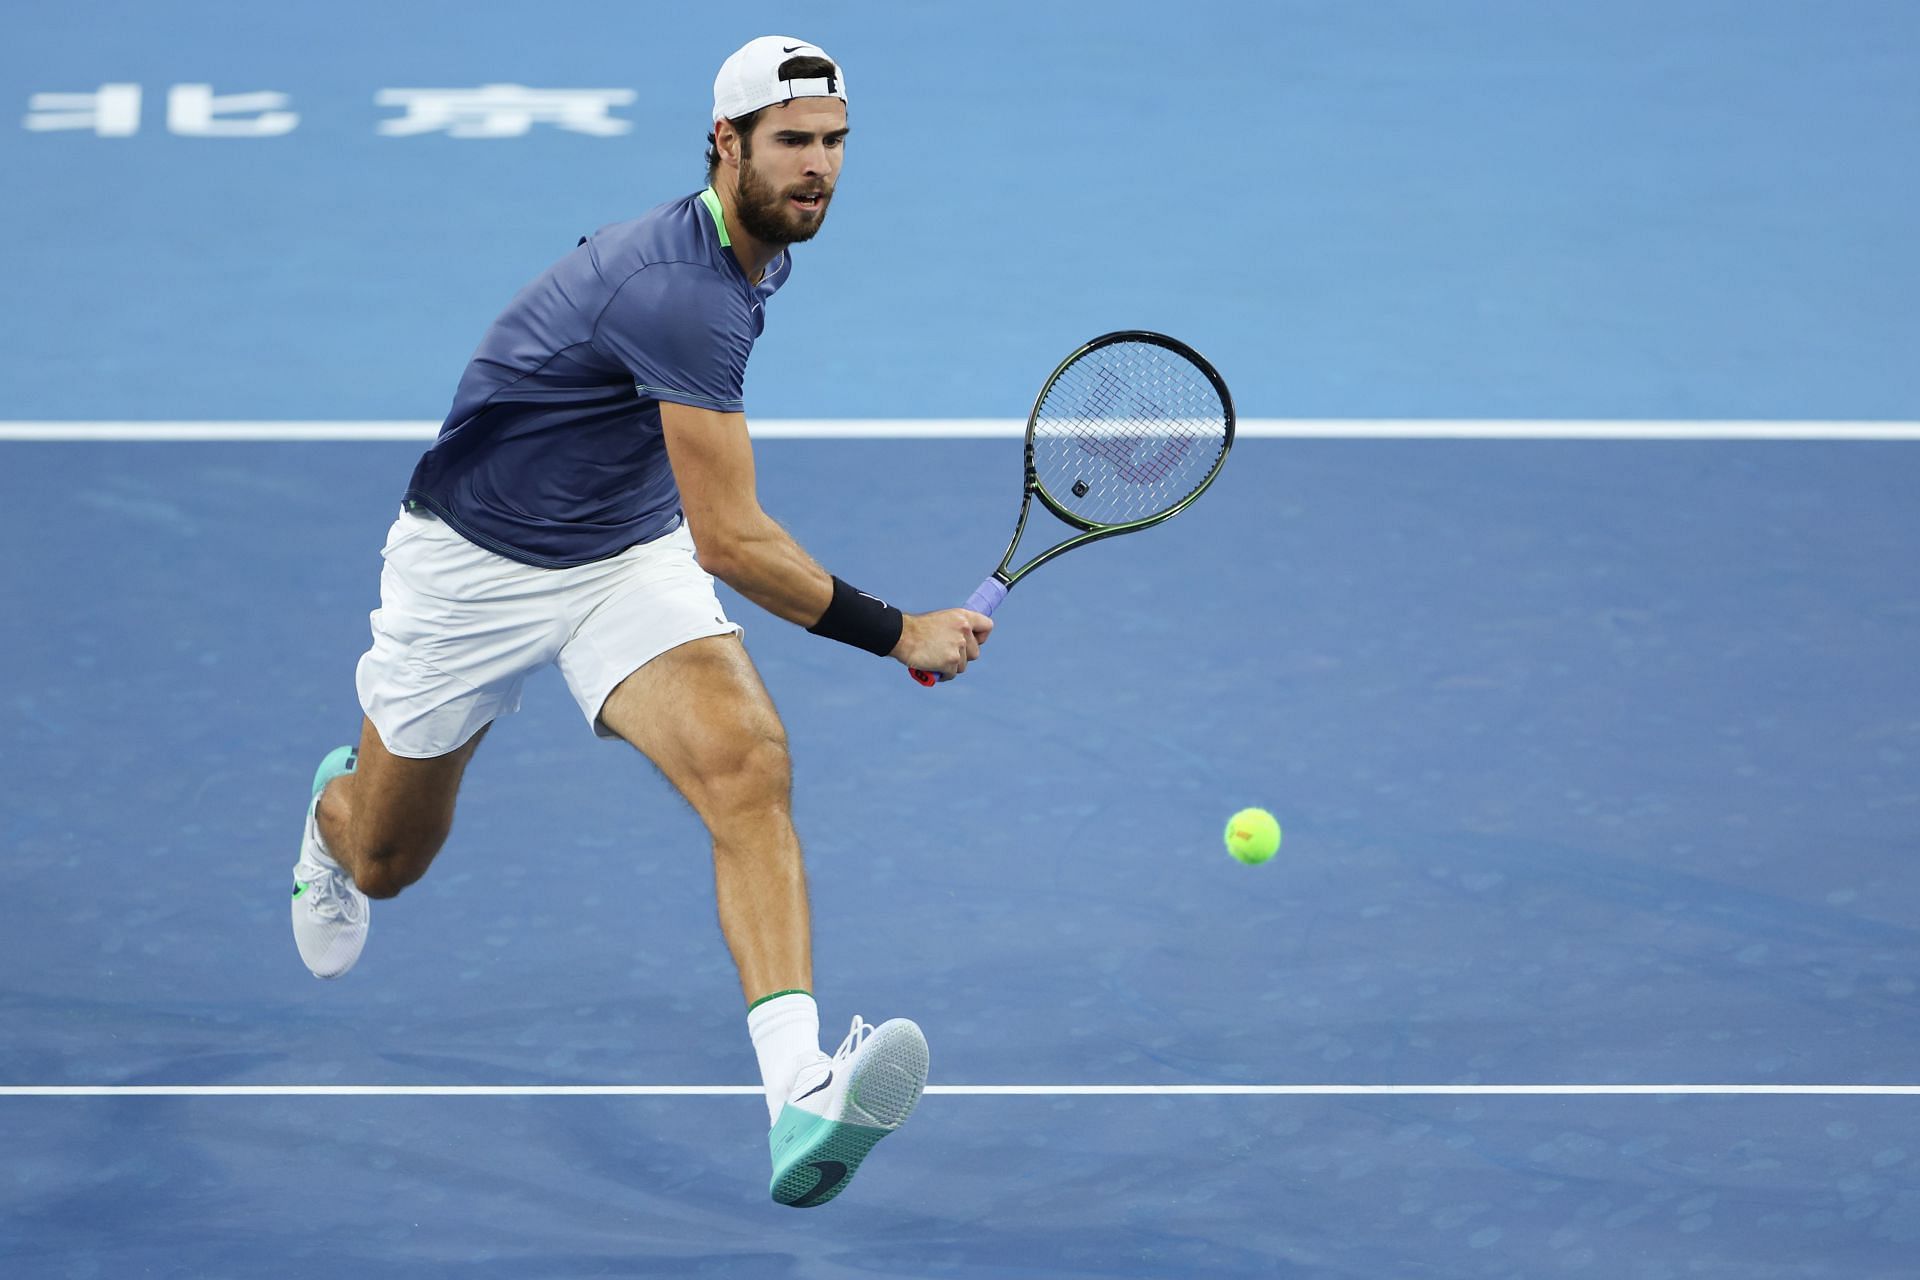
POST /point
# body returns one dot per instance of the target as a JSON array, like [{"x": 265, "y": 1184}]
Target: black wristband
[{"x": 863, "y": 621}]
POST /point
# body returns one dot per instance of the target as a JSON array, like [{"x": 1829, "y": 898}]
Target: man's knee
[
  {"x": 752, "y": 775},
  {"x": 383, "y": 869},
  {"x": 386, "y": 822},
  {"x": 384, "y": 859}
]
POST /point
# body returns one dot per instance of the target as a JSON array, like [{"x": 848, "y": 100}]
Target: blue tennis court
[{"x": 1592, "y": 947}]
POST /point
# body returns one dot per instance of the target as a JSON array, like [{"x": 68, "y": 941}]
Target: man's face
[{"x": 788, "y": 169}]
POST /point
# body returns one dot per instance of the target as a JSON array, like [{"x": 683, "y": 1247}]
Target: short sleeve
[{"x": 682, "y": 332}]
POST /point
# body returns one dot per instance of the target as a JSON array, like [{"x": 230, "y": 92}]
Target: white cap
[{"x": 750, "y": 79}]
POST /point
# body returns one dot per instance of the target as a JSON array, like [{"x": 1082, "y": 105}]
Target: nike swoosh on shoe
[{"x": 832, "y": 1174}]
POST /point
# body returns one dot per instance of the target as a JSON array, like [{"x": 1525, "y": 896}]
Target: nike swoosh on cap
[{"x": 789, "y": 48}]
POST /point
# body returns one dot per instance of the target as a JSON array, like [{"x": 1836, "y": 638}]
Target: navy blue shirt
[{"x": 552, "y": 454}]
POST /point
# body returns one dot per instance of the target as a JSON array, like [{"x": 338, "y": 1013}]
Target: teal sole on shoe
[
  {"x": 814, "y": 1158},
  {"x": 823, "y": 1164}
]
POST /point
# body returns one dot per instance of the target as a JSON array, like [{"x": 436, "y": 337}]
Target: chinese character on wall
[{"x": 196, "y": 111}]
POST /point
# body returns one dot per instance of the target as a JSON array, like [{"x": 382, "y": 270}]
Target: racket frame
[
  {"x": 987, "y": 597},
  {"x": 1092, "y": 531}
]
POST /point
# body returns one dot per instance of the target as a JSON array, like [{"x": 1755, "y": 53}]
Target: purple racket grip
[
  {"x": 985, "y": 599},
  {"x": 987, "y": 596}
]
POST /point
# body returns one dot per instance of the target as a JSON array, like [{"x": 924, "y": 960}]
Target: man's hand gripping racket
[{"x": 1128, "y": 431}]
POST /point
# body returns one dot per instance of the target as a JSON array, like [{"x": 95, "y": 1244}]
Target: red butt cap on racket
[{"x": 985, "y": 599}]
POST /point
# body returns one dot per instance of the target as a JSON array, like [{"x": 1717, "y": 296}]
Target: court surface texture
[{"x": 1560, "y": 599}]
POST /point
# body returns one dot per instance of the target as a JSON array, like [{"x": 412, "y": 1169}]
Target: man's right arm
[{"x": 738, "y": 543}]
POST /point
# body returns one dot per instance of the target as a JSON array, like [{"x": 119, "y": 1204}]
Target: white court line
[
  {"x": 980, "y": 428},
  {"x": 977, "y": 1090}
]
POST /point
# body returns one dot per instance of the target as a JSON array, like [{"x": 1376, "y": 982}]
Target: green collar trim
[{"x": 712, "y": 202}]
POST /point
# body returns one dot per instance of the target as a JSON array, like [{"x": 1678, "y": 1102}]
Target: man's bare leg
[
  {"x": 384, "y": 822},
  {"x": 374, "y": 828},
  {"x": 701, "y": 714}
]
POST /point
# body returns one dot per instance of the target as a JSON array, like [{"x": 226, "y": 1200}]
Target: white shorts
[{"x": 459, "y": 628}]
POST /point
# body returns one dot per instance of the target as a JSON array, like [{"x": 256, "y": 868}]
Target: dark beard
[{"x": 764, "y": 214}]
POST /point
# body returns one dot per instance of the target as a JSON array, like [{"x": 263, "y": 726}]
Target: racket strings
[{"x": 1126, "y": 432}]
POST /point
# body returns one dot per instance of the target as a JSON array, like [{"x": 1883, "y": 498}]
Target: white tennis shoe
[
  {"x": 330, "y": 914},
  {"x": 839, "y": 1107}
]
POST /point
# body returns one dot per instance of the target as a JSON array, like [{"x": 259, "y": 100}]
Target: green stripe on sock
[{"x": 791, "y": 991}]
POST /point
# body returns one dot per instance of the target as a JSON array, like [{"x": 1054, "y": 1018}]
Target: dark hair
[{"x": 808, "y": 68}]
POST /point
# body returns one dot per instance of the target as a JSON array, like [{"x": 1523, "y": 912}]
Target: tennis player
[{"x": 594, "y": 470}]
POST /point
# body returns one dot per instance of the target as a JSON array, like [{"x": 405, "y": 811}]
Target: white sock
[
  {"x": 316, "y": 844},
  {"x": 786, "y": 1036}
]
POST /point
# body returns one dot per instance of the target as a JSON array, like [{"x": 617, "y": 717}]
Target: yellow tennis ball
[{"x": 1253, "y": 836}]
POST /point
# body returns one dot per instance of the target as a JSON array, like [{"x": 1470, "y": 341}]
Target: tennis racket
[{"x": 1128, "y": 431}]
